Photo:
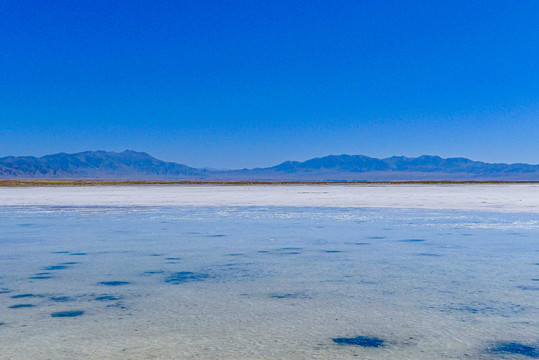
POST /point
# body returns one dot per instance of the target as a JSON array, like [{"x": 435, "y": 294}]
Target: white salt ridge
[{"x": 490, "y": 197}]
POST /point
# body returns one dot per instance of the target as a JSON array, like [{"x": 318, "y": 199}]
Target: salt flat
[
  {"x": 266, "y": 282},
  {"x": 269, "y": 272},
  {"x": 492, "y": 197}
]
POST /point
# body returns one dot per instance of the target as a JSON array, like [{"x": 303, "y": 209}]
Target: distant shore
[{"x": 31, "y": 183}]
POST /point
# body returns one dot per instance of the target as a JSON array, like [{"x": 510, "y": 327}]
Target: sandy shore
[{"x": 492, "y": 197}]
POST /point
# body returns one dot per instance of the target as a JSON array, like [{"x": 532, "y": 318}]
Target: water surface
[{"x": 267, "y": 282}]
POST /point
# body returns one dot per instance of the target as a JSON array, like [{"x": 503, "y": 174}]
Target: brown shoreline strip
[{"x": 31, "y": 183}]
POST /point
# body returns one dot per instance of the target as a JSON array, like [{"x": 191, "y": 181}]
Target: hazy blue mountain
[
  {"x": 95, "y": 165},
  {"x": 426, "y": 167},
  {"x": 425, "y": 163},
  {"x": 355, "y": 163},
  {"x": 132, "y": 165},
  {"x": 428, "y": 163}
]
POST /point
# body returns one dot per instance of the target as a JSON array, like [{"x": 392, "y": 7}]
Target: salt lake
[{"x": 270, "y": 272}]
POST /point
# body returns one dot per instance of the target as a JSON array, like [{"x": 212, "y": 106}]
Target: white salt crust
[{"x": 490, "y": 197}]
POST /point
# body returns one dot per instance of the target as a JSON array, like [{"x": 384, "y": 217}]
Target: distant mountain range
[{"x": 132, "y": 165}]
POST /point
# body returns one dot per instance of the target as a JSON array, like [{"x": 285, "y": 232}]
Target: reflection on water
[{"x": 267, "y": 282}]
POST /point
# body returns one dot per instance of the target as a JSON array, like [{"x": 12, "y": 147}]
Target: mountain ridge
[
  {"x": 133, "y": 165},
  {"x": 93, "y": 165}
]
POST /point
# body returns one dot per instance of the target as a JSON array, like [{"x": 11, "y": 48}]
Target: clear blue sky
[{"x": 232, "y": 84}]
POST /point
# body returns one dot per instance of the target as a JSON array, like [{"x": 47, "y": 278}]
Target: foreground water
[{"x": 267, "y": 283}]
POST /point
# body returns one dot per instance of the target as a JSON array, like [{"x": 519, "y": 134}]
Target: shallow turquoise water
[{"x": 267, "y": 282}]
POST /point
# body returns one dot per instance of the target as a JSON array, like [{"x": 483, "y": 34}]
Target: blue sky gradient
[{"x": 233, "y": 84}]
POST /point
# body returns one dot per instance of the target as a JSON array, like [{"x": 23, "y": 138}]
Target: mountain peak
[{"x": 104, "y": 165}]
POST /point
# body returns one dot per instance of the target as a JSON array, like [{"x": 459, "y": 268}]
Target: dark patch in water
[
  {"x": 493, "y": 308},
  {"x": 40, "y": 277},
  {"x": 25, "y": 296},
  {"x": 515, "y": 348},
  {"x": 332, "y": 251},
  {"x": 428, "y": 254},
  {"x": 377, "y": 237},
  {"x": 360, "y": 341},
  {"x": 283, "y": 296},
  {"x": 216, "y": 235},
  {"x": 172, "y": 258},
  {"x": 70, "y": 263},
  {"x": 282, "y": 251},
  {"x": 237, "y": 264},
  {"x": 362, "y": 243},
  {"x": 107, "y": 298},
  {"x": 61, "y": 298},
  {"x": 235, "y": 254},
  {"x": 154, "y": 272},
  {"x": 55, "y": 267},
  {"x": 25, "y": 224},
  {"x": 290, "y": 296},
  {"x": 368, "y": 282},
  {"x": 78, "y": 254},
  {"x": 61, "y": 252},
  {"x": 535, "y": 279},
  {"x": 156, "y": 255},
  {"x": 1, "y": 323},
  {"x": 5, "y": 291},
  {"x": 117, "y": 305},
  {"x": 62, "y": 314},
  {"x": 114, "y": 283},
  {"x": 20, "y": 306},
  {"x": 185, "y": 276},
  {"x": 43, "y": 273},
  {"x": 475, "y": 310},
  {"x": 532, "y": 288},
  {"x": 412, "y": 240},
  {"x": 471, "y": 309}
]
